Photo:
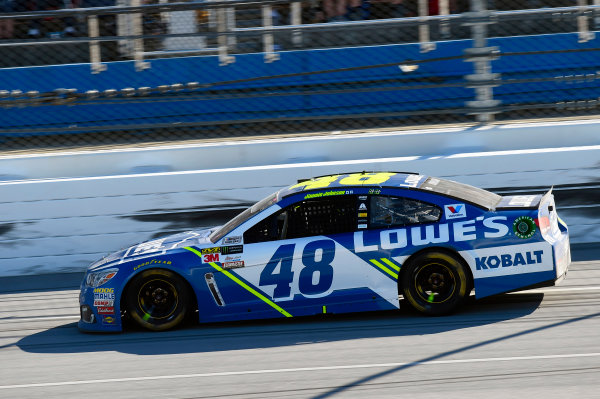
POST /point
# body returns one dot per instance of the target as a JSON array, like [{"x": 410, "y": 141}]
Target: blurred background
[{"x": 88, "y": 72}]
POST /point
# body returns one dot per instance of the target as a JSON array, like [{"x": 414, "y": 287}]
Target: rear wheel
[
  {"x": 158, "y": 300},
  {"x": 435, "y": 283}
]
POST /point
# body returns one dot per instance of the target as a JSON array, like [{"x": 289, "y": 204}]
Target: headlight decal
[{"x": 96, "y": 279}]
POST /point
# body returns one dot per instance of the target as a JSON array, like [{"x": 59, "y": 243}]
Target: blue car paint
[{"x": 480, "y": 231}]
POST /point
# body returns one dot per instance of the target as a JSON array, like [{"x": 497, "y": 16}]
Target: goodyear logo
[
  {"x": 508, "y": 260},
  {"x": 153, "y": 262}
]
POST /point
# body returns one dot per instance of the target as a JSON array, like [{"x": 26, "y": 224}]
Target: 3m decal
[
  {"x": 524, "y": 227},
  {"x": 232, "y": 240},
  {"x": 455, "y": 211},
  {"x": 210, "y": 258}
]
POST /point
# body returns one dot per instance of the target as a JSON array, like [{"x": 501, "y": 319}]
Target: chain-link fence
[{"x": 78, "y": 72}]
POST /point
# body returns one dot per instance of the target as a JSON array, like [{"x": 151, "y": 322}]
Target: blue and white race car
[{"x": 335, "y": 244}]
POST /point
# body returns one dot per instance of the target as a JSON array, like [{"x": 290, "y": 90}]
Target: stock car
[{"x": 334, "y": 244}]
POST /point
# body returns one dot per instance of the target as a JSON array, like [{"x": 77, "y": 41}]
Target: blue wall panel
[{"x": 375, "y": 89}]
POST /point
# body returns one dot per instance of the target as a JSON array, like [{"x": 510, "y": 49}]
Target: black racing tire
[
  {"x": 435, "y": 283},
  {"x": 158, "y": 300}
]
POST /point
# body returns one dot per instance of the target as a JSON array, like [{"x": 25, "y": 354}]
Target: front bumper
[{"x": 99, "y": 309}]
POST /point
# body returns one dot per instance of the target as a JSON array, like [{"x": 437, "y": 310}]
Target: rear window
[{"x": 462, "y": 191}]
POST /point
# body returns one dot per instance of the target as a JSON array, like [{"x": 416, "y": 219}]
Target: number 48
[{"x": 307, "y": 284}]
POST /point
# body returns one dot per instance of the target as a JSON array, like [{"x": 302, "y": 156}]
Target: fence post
[
  {"x": 424, "y": 39},
  {"x": 224, "y": 57},
  {"x": 95, "y": 56},
  {"x": 268, "y": 42},
  {"x": 582, "y": 23},
  {"x": 482, "y": 80},
  {"x": 445, "y": 22},
  {"x": 296, "y": 19},
  {"x": 138, "y": 43}
]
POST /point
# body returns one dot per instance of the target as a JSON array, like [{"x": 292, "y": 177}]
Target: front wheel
[
  {"x": 158, "y": 300},
  {"x": 435, "y": 283}
]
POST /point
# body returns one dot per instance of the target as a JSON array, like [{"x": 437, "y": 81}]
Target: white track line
[
  {"x": 299, "y": 369},
  {"x": 550, "y": 290},
  {"x": 5, "y": 319}
]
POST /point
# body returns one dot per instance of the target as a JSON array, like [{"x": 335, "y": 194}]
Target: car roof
[
  {"x": 356, "y": 179},
  {"x": 407, "y": 180}
]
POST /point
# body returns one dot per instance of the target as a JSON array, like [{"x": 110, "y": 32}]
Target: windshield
[
  {"x": 242, "y": 217},
  {"x": 463, "y": 192}
]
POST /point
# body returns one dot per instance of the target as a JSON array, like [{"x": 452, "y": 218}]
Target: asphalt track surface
[{"x": 542, "y": 343}]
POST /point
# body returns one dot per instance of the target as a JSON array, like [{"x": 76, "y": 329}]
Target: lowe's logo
[
  {"x": 508, "y": 260},
  {"x": 455, "y": 211}
]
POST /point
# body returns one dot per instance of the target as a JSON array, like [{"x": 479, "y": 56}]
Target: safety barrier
[{"x": 59, "y": 222}]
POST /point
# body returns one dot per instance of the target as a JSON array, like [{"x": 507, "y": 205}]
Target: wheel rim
[
  {"x": 157, "y": 299},
  {"x": 435, "y": 283}
]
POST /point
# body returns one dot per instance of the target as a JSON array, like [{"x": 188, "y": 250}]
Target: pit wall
[{"x": 61, "y": 211}]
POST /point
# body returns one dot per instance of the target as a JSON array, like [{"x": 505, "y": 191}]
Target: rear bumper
[{"x": 562, "y": 255}]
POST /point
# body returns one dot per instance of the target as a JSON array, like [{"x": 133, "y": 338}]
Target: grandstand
[{"x": 94, "y": 72}]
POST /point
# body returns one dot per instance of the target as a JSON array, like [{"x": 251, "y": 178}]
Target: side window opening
[
  {"x": 306, "y": 218},
  {"x": 386, "y": 211},
  {"x": 322, "y": 217}
]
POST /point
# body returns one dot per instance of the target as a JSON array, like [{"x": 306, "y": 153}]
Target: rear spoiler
[{"x": 511, "y": 202}]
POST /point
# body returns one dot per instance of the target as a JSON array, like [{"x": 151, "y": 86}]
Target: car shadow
[{"x": 281, "y": 332}]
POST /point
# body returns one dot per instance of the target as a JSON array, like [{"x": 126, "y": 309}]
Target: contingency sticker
[{"x": 455, "y": 211}]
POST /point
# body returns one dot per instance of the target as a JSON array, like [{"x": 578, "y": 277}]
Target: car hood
[{"x": 154, "y": 247}]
